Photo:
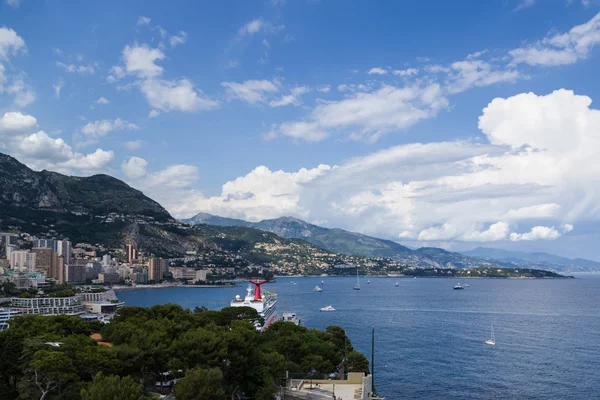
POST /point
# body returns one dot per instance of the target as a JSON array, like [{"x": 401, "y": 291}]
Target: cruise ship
[{"x": 263, "y": 302}]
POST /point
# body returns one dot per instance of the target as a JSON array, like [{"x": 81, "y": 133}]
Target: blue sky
[{"x": 430, "y": 123}]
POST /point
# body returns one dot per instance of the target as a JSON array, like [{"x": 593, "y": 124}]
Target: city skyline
[{"x": 431, "y": 124}]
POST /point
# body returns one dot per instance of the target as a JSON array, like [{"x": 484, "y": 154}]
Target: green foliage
[
  {"x": 218, "y": 354},
  {"x": 199, "y": 384},
  {"x": 113, "y": 387}
]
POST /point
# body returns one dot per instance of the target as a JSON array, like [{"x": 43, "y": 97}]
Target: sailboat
[
  {"x": 397, "y": 284},
  {"x": 492, "y": 340},
  {"x": 357, "y": 286}
]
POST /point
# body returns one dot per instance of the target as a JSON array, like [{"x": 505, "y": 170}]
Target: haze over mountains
[{"x": 342, "y": 241}]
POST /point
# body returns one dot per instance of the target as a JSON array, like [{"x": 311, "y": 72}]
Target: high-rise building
[
  {"x": 57, "y": 268},
  {"x": 92, "y": 269},
  {"x": 156, "y": 269},
  {"x": 130, "y": 253},
  {"x": 45, "y": 243},
  {"x": 74, "y": 273},
  {"x": 63, "y": 249},
  {"x": 106, "y": 260},
  {"x": 23, "y": 261},
  {"x": 43, "y": 259}
]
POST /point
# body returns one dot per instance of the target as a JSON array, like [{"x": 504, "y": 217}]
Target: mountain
[
  {"x": 350, "y": 243},
  {"x": 539, "y": 260}
]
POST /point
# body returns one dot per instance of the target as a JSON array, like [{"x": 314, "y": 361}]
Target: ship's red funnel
[{"x": 257, "y": 282}]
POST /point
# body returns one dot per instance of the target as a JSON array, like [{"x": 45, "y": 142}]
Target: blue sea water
[{"x": 430, "y": 338}]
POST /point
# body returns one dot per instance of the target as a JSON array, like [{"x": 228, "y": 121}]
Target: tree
[
  {"x": 199, "y": 384},
  {"x": 113, "y": 387},
  {"x": 357, "y": 362},
  {"x": 51, "y": 369}
]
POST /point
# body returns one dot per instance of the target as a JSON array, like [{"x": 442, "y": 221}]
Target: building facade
[{"x": 48, "y": 305}]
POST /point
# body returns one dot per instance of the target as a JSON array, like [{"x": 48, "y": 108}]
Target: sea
[{"x": 430, "y": 339}]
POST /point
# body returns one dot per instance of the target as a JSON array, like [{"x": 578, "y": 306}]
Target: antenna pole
[{"x": 373, "y": 361}]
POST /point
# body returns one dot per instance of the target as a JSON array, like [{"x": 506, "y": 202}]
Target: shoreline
[{"x": 120, "y": 288}]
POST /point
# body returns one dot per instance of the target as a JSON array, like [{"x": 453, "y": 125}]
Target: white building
[
  {"x": 48, "y": 305},
  {"x": 106, "y": 260},
  {"x": 23, "y": 261}
]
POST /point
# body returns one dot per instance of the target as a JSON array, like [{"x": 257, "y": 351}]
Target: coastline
[{"x": 121, "y": 288}]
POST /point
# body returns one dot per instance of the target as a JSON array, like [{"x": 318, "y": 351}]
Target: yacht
[
  {"x": 368, "y": 281},
  {"x": 327, "y": 309},
  {"x": 317, "y": 289},
  {"x": 492, "y": 340},
  {"x": 357, "y": 286},
  {"x": 263, "y": 302},
  {"x": 459, "y": 287}
]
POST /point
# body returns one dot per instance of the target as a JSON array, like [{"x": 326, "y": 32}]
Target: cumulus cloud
[
  {"x": 39, "y": 150},
  {"x": 134, "y": 144},
  {"x": 377, "y": 71},
  {"x": 97, "y": 129},
  {"x": 58, "y": 87},
  {"x": 10, "y": 43},
  {"x": 181, "y": 95},
  {"x": 524, "y": 4},
  {"x": 369, "y": 115},
  {"x": 134, "y": 167},
  {"x": 405, "y": 72},
  {"x": 143, "y": 21},
  {"x": 102, "y": 100},
  {"x": 16, "y": 123},
  {"x": 536, "y": 233},
  {"x": 443, "y": 192},
  {"x": 141, "y": 60},
  {"x": 560, "y": 49},
  {"x": 251, "y": 91}
]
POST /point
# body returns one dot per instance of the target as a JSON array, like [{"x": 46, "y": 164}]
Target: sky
[{"x": 431, "y": 123}]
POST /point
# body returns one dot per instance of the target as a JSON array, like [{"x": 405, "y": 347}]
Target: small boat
[
  {"x": 322, "y": 281},
  {"x": 466, "y": 285},
  {"x": 317, "y": 289},
  {"x": 293, "y": 283},
  {"x": 327, "y": 309},
  {"x": 368, "y": 281},
  {"x": 492, "y": 340},
  {"x": 459, "y": 287},
  {"x": 397, "y": 284},
  {"x": 357, "y": 286},
  {"x": 415, "y": 277}
]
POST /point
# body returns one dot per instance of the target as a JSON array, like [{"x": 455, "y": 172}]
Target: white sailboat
[
  {"x": 357, "y": 286},
  {"x": 492, "y": 340},
  {"x": 397, "y": 284}
]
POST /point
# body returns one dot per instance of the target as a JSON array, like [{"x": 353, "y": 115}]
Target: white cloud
[
  {"x": 251, "y": 27},
  {"x": 15, "y": 123},
  {"x": 438, "y": 192},
  {"x": 466, "y": 74},
  {"x": 536, "y": 233},
  {"x": 524, "y": 4},
  {"x": 102, "y": 100},
  {"x": 178, "y": 95},
  {"x": 134, "y": 144},
  {"x": 143, "y": 21},
  {"x": 153, "y": 113},
  {"x": 58, "y": 87},
  {"x": 377, "y": 71},
  {"x": 178, "y": 39},
  {"x": 10, "y": 43},
  {"x": 101, "y": 128},
  {"x": 80, "y": 69},
  {"x": 13, "y": 3},
  {"x": 252, "y": 91},
  {"x": 324, "y": 88},
  {"x": 266, "y": 43},
  {"x": 294, "y": 98},
  {"x": 115, "y": 73},
  {"x": 369, "y": 115},
  {"x": 134, "y": 167},
  {"x": 140, "y": 60},
  {"x": 560, "y": 49},
  {"x": 497, "y": 231},
  {"x": 23, "y": 93},
  {"x": 405, "y": 72}
]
